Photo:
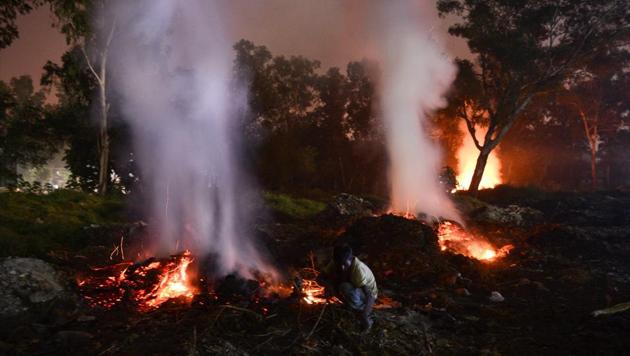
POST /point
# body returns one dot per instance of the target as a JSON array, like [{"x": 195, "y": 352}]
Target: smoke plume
[
  {"x": 415, "y": 74},
  {"x": 173, "y": 73}
]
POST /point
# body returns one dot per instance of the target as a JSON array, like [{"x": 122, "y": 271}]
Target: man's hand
[{"x": 366, "y": 322}]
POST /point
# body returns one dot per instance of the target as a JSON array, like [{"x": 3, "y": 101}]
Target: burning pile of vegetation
[
  {"x": 147, "y": 284},
  {"x": 452, "y": 237}
]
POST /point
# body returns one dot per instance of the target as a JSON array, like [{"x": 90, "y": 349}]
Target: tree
[
  {"x": 251, "y": 68},
  {"x": 523, "y": 49},
  {"x": 361, "y": 119},
  {"x": 9, "y": 10},
  {"x": 598, "y": 96},
  {"x": 332, "y": 137},
  {"x": 293, "y": 82},
  {"x": 70, "y": 118},
  {"x": 283, "y": 98},
  {"x": 94, "y": 43},
  {"x": 545, "y": 139},
  {"x": 25, "y": 136},
  {"x": 93, "y": 39}
]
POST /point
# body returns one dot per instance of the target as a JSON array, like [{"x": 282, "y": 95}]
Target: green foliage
[
  {"x": 9, "y": 10},
  {"x": 310, "y": 130},
  {"x": 71, "y": 122},
  {"x": 524, "y": 50},
  {"x": 34, "y": 224},
  {"x": 72, "y": 17},
  {"x": 71, "y": 117},
  {"x": 297, "y": 208},
  {"x": 25, "y": 132}
]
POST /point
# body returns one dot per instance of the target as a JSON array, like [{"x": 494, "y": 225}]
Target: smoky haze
[
  {"x": 172, "y": 67},
  {"x": 415, "y": 74}
]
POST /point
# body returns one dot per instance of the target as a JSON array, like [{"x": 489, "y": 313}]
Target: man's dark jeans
[{"x": 353, "y": 297}]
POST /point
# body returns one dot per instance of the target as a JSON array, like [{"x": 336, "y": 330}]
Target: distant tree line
[{"x": 308, "y": 130}]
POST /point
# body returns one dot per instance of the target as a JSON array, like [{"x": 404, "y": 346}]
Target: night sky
[{"x": 331, "y": 31}]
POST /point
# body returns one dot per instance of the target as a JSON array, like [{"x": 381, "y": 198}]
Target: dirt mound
[{"x": 395, "y": 248}]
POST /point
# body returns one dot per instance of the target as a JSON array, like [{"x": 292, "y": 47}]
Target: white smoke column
[
  {"x": 415, "y": 76},
  {"x": 173, "y": 72}
]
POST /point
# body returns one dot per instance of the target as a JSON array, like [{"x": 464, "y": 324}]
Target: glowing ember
[
  {"x": 313, "y": 292},
  {"x": 148, "y": 285},
  {"x": 454, "y": 238},
  {"x": 467, "y": 159},
  {"x": 174, "y": 284},
  {"x": 404, "y": 214}
]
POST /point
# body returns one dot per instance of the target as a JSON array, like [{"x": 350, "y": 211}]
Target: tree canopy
[{"x": 524, "y": 49}]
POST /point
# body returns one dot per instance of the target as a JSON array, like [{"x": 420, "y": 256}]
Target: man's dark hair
[{"x": 342, "y": 253}]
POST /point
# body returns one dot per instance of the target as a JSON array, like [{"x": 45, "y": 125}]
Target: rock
[
  {"x": 27, "y": 282},
  {"x": 346, "y": 205},
  {"x": 462, "y": 291},
  {"x": 512, "y": 215},
  {"x": 496, "y": 297}
]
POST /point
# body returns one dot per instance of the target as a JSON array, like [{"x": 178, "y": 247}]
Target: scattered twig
[
  {"x": 107, "y": 349},
  {"x": 427, "y": 344},
  {"x": 122, "y": 251},
  {"x": 228, "y": 306},
  {"x": 193, "y": 350},
  {"x": 273, "y": 335},
  {"x": 317, "y": 322},
  {"x": 217, "y": 317}
]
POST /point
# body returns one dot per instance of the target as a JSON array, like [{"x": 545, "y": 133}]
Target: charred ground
[{"x": 571, "y": 257}]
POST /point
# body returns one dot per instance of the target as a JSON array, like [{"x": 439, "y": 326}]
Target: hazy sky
[{"x": 332, "y": 31}]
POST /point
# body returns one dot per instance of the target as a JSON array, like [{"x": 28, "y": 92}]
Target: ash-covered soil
[{"x": 571, "y": 258}]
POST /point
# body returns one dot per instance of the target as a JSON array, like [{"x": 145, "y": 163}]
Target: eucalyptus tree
[{"x": 523, "y": 49}]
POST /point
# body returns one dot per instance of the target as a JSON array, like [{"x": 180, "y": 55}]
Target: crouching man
[{"x": 352, "y": 282}]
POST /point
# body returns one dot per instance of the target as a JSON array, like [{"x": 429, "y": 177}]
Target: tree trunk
[
  {"x": 593, "y": 169},
  {"x": 103, "y": 108},
  {"x": 103, "y": 143},
  {"x": 479, "y": 168},
  {"x": 591, "y": 132}
]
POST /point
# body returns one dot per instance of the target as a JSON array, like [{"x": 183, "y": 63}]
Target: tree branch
[
  {"x": 512, "y": 118},
  {"x": 471, "y": 127},
  {"x": 89, "y": 63}
]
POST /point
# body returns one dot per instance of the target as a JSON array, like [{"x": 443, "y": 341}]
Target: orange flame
[
  {"x": 454, "y": 238},
  {"x": 171, "y": 277},
  {"x": 467, "y": 159},
  {"x": 313, "y": 292},
  {"x": 174, "y": 284}
]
